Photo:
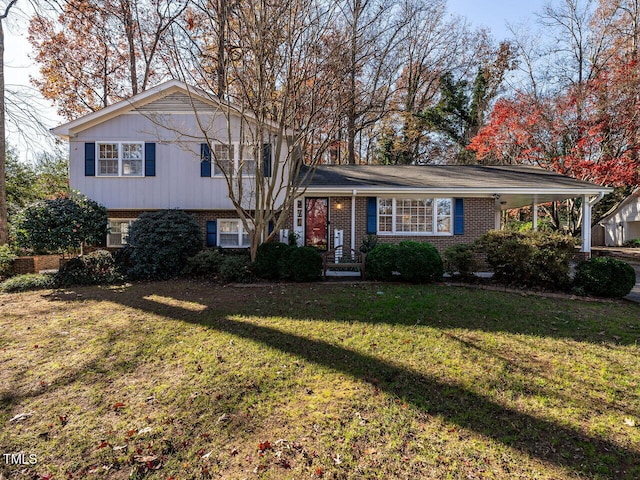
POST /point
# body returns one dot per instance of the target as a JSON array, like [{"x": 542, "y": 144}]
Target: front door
[{"x": 316, "y": 223}]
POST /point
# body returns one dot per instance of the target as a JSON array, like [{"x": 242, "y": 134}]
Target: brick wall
[{"x": 35, "y": 264}]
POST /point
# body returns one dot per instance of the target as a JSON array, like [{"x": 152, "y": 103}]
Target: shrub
[
  {"x": 6, "y": 261},
  {"x": 61, "y": 224},
  {"x": 604, "y": 277},
  {"x": 418, "y": 262},
  {"x": 29, "y": 281},
  {"x": 122, "y": 258},
  {"x": 267, "y": 263},
  {"x": 530, "y": 259},
  {"x": 635, "y": 243},
  {"x": 461, "y": 258},
  {"x": 95, "y": 268},
  {"x": 203, "y": 263},
  {"x": 368, "y": 243},
  {"x": 236, "y": 268},
  {"x": 301, "y": 264},
  {"x": 162, "y": 241},
  {"x": 381, "y": 262}
]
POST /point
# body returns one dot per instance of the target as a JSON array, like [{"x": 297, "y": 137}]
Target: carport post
[{"x": 586, "y": 224}]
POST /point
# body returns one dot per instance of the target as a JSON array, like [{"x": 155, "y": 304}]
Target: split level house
[
  {"x": 621, "y": 224},
  {"x": 166, "y": 148}
]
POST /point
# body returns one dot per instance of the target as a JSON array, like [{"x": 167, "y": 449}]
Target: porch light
[{"x": 338, "y": 205}]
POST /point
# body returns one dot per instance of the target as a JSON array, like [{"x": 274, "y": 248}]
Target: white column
[
  {"x": 586, "y": 225},
  {"x": 353, "y": 219},
  {"x": 535, "y": 216}
]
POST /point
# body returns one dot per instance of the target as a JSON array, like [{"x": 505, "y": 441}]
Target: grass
[{"x": 193, "y": 380}]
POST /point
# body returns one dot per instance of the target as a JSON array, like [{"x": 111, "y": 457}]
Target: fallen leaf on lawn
[
  {"x": 319, "y": 472},
  {"x": 21, "y": 416},
  {"x": 118, "y": 406},
  {"x": 234, "y": 452},
  {"x": 145, "y": 458},
  {"x": 144, "y": 430},
  {"x": 337, "y": 460},
  {"x": 131, "y": 433},
  {"x": 63, "y": 419},
  {"x": 223, "y": 418},
  {"x": 264, "y": 446},
  {"x": 630, "y": 422},
  {"x": 120, "y": 447},
  {"x": 103, "y": 444},
  {"x": 206, "y": 455}
]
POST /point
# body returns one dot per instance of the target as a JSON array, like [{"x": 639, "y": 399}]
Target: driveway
[{"x": 634, "y": 296}]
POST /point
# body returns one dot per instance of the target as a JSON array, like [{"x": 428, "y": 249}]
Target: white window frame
[
  {"x": 120, "y": 159},
  {"x": 237, "y": 162},
  {"x": 434, "y": 221},
  {"x": 122, "y": 240},
  {"x": 241, "y": 233}
]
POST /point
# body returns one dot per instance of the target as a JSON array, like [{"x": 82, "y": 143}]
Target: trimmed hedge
[
  {"x": 419, "y": 262},
  {"x": 204, "y": 263},
  {"x": 95, "y": 268},
  {"x": 300, "y": 264},
  {"x": 236, "y": 269},
  {"x": 529, "y": 259},
  {"x": 6, "y": 261},
  {"x": 162, "y": 242},
  {"x": 416, "y": 262},
  {"x": 461, "y": 259},
  {"x": 28, "y": 281},
  {"x": 604, "y": 277},
  {"x": 267, "y": 263}
]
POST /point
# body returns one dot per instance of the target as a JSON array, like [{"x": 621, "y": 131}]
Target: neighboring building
[
  {"x": 620, "y": 224},
  {"x": 149, "y": 153}
]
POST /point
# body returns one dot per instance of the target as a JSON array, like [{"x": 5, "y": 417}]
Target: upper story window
[
  {"x": 414, "y": 216},
  {"x": 120, "y": 159},
  {"x": 224, "y": 159}
]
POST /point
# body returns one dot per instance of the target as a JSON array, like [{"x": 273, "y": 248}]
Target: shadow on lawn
[{"x": 545, "y": 440}]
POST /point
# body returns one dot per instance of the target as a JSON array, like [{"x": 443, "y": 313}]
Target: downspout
[
  {"x": 353, "y": 219},
  {"x": 596, "y": 199},
  {"x": 587, "y": 205}
]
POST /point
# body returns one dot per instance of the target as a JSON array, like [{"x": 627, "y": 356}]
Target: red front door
[{"x": 316, "y": 223}]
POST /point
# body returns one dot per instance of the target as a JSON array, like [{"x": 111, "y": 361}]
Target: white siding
[
  {"x": 177, "y": 183},
  {"x": 623, "y": 226}
]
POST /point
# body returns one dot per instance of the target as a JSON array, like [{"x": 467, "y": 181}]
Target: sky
[{"x": 494, "y": 14}]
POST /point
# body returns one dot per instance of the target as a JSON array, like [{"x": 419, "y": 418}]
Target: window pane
[
  {"x": 248, "y": 161},
  {"x": 385, "y": 215},
  {"x": 132, "y": 151},
  {"x": 132, "y": 167},
  {"x": 444, "y": 215},
  {"x": 223, "y": 159},
  {"x": 108, "y": 167},
  {"x": 107, "y": 151},
  {"x": 414, "y": 215}
]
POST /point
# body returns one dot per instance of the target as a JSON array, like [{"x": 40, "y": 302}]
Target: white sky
[{"x": 494, "y": 14}]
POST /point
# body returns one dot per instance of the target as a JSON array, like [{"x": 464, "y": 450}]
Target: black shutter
[
  {"x": 205, "y": 160},
  {"x": 267, "y": 160},
  {"x": 90, "y": 159},
  {"x": 149, "y": 159},
  {"x": 212, "y": 233},
  {"x": 372, "y": 215}
]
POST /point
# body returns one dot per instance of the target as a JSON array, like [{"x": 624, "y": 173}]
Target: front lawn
[{"x": 186, "y": 380}]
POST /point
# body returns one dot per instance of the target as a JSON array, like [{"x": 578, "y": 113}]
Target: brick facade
[
  {"x": 35, "y": 264},
  {"x": 479, "y": 218}
]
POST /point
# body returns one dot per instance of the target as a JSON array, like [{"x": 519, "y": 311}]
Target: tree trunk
[{"x": 4, "y": 227}]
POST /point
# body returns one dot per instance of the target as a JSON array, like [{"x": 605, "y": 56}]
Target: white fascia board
[{"x": 459, "y": 192}]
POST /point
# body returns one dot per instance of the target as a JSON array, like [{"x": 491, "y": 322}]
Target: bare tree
[
  {"x": 4, "y": 229},
  {"x": 275, "y": 107}
]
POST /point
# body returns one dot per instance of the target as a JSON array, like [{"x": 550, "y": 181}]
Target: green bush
[
  {"x": 6, "y": 261},
  {"x": 236, "y": 269},
  {"x": 162, "y": 241},
  {"x": 635, "y": 243},
  {"x": 204, "y": 263},
  {"x": 301, "y": 264},
  {"x": 368, "y": 243},
  {"x": 61, "y": 224},
  {"x": 267, "y": 263},
  {"x": 604, "y": 277},
  {"x": 530, "y": 259},
  {"x": 95, "y": 268},
  {"x": 29, "y": 281},
  {"x": 418, "y": 262},
  {"x": 381, "y": 262},
  {"x": 461, "y": 258}
]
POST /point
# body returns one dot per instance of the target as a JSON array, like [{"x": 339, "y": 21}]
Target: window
[
  {"x": 247, "y": 165},
  {"x": 119, "y": 231},
  {"x": 223, "y": 159},
  {"x": 124, "y": 159},
  {"x": 231, "y": 234},
  {"x": 414, "y": 216}
]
